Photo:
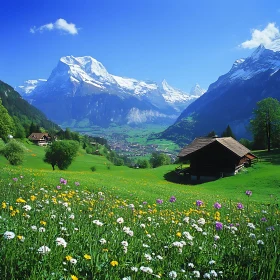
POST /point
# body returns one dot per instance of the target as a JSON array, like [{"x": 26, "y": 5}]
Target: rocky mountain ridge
[
  {"x": 81, "y": 89},
  {"x": 231, "y": 99}
]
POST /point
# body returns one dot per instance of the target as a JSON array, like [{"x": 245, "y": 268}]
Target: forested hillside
[{"x": 23, "y": 113}]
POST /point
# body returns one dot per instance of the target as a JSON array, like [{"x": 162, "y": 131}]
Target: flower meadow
[{"x": 66, "y": 231}]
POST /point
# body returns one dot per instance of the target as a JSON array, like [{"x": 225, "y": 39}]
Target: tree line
[{"x": 265, "y": 127}]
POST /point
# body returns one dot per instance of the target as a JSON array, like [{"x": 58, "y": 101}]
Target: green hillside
[
  {"x": 262, "y": 178},
  {"x": 21, "y": 109}
]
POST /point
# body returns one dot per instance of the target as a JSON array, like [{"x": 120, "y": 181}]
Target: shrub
[
  {"x": 13, "y": 152},
  {"x": 93, "y": 168},
  {"x": 89, "y": 150},
  {"x": 159, "y": 159},
  {"x": 143, "y": 163}
]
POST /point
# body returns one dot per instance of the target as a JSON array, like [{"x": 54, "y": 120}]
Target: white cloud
[
  {"x": 60, "y": 24},
  {"x": 267, "y": 37}
]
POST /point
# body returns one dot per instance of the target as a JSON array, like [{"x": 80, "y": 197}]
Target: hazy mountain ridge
[
  {"x": 81, "y": 87},
  {"x": 232, "y": 98}
]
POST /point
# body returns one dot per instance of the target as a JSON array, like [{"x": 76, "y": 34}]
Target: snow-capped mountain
[
  {"x": 232, "y": 98},
  {"x": 197, "y": 91},
  {"x": 81, "y": 89},
  {"x": 28, "y": 86},
  {"x": 260, "y": 61}
]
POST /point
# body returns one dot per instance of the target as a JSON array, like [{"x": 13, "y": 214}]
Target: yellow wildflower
[
  {"x": 13, "y": 213},
  {"x": 87, "y": 257},
  {"x": 11, "y": 208},
  {"x": 73, "y": 277},
  {"x": 43, "y": 223},
  {"x": 4, "y": 205},
  {"x": 20, "y": 200},
  {"x": 32, "y": 197},
  {"x": 68, "y": 258},
  {"x": 178, "y": 234},
  {"x": 114, "y": 263},
  {"x": 217, "y": 216}
]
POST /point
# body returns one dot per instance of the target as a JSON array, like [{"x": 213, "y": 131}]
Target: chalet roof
[
  {"x": 228, "y": 142},
  {"x": 37, "y": 135}
]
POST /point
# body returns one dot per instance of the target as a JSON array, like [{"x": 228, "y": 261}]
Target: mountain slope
[
  {"x": 232, "y": 98},
  {"x": 80, "y": 89},
  {"x": 29, "y": 86},
  {"x": 18, "y": 107}
]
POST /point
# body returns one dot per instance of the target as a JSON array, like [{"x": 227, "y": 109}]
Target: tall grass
[
  {"x": 65, "y": 229},
  {"x": 122, "y": 223}
]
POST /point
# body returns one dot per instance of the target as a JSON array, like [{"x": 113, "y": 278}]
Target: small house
[
  {"x": 215, "y": 157},
  {"x": 40, "y": 139}
]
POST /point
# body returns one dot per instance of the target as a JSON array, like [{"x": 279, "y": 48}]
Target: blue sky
[{"x": 182, "y": 41}]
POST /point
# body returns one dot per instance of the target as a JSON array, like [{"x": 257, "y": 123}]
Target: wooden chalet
[
  {"x": 40, "y": 139},
  {"x": 215, "y": 157}
]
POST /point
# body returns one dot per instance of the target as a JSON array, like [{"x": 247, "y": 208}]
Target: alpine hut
[
  {"x": 215, "y": 157},
  {"x": 39, "y": 138}
]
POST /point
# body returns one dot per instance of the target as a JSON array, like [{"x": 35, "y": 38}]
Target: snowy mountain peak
[
  {"x": 95, "y": 94},
  {"x": 166, "y": 86},
  {"x": 258, "y": 52},
  {"x": 197, "y": 90},
  {"x": 261, "y": 60},
  {"x": 28, "y": 86},
  {"x": 86, "y": 68}
]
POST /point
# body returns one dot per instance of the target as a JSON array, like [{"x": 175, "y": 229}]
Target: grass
[
  {"x": 149, "y": 184},
  {"x": 118, "y": 223}
]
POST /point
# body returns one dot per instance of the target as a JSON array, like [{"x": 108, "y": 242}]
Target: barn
[{"x": 215, "y": 157}]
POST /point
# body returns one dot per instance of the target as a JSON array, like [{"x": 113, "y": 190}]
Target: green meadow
[
  {"x": 263, "y": 178},
  {"x": 122, "y": 223}
]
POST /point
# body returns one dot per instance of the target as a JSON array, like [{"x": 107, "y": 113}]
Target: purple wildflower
[
  {"x": 217, "y": 205},
  {"x": 172, "y": 199},
  {"x": 145, "y": 202},
  {"x": 58, "y": 187},
  {"x": 159, "y": 201},
  {"x": 63, "y": 181},
  {"x": 240, "y": 206},
  {"x": 199, "y": 203},
  {"x": 15, "y": 179},
  {"x": 264, "y": 219},
  {"x": 219, "y": 226},
  {"x": 77, "y": 184},
  {"x": 249, "y": 193}
]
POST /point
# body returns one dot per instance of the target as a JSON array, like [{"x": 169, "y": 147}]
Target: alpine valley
[
  {"x": 81, "y": 92},
  {"x": 231, "y": 99}
]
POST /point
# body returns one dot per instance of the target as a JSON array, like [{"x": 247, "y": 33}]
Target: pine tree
[{"x": 228, "y": 133}]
